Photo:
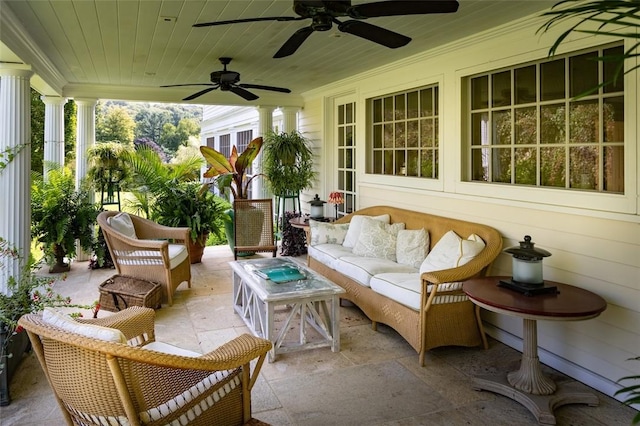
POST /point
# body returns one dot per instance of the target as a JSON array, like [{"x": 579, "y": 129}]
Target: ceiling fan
[
  {"x": 324, "y": 14},
  {"x": 228, "y": 81}
]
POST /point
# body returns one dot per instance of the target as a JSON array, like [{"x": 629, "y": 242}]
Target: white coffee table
[{"x": 311, "y": 302}]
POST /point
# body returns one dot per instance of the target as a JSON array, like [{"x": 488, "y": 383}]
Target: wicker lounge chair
[
  {"x": 99, "y": 382},
  {"x": 149, "y": 255},
  {"x": 253, "y": 226}
]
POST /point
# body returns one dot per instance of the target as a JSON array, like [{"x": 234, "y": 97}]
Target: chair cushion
[
  {"x": 167, "y": 348},
  {"x": 328, "y": 253},
  {"x": 361, "y": 269},
  {"x": 355, "y": 226},
  {"x": 65, "y": 322},
  {"x": 123, "y": 224},
  {"x": 377, "y": 239},
  {"x": 452, "y": 251},
  {"x": 412, "y": 247},
  {"x": 177, "y": 254},
  {"x": 327, "y": 233},
  {"x": 406, "y": 288}
]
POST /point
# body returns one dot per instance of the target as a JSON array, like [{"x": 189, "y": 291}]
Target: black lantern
[
  {"x": 527, "y": 269},
  {"x": 317, "y": 208}
]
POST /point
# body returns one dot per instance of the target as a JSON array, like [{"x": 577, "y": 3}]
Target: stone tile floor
[{"x": 374, "y": 380}]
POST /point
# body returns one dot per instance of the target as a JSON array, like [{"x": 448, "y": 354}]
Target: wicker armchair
[
  {"x": 149, "y": 256},
  {"x": 100, "y": 382}
]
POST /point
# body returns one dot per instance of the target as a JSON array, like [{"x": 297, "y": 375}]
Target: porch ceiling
[{"x": 126, "y": 49}]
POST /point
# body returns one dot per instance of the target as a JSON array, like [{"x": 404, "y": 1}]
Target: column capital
[
  {"x": 53, "y": 100},
  {"x": 86, "y": 101},
  {"x": 15, "y": 70},
  {"x": 265, "y": 108},
  {"x": 289, "y": 109}
]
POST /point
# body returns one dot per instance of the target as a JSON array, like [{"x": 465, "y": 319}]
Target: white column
[
  {"x": 289, "y": 119},
  {"x": 265, "y": 124},
  {"x": 53, "y": 132},
  {"x": 15, "y": 175},
  {"x": 85, "y": 139},
  {"x": 85, "y": 136}
]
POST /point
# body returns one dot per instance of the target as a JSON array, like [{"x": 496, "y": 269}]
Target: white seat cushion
[
  {"x": 167, "y": 348},
  {"x": 361, "y": 269},
  {"x": 328, "y": 253},
  {"x": 177, "y": 254},
  {"x": 405, "y": 288}
]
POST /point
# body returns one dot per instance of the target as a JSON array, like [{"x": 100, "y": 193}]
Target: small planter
[
  {"x": 16, "y": 346},
  {"x": 196, "y": 248}
]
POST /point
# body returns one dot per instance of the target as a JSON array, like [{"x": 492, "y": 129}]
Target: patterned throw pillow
[
  {"x": 355, "y": 226},
  {"x": 327, "y": 233},
  {"x": 378, "y": 239},
  {"x": 412, "y": 247},
  {"x": 452, "y": 251}
]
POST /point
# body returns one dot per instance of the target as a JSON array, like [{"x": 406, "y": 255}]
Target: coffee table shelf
[{"x": 312, "y": 304}]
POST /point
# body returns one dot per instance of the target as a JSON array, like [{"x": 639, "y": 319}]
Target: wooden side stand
[{"x": 528, "y": 385}]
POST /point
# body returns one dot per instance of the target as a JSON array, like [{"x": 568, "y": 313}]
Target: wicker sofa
[{"x": 443, "y": 315}]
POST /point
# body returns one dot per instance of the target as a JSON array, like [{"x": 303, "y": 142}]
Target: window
[
  {"x": 346, "y": 128},
  {"x": 225, "y": 145},
  {"x": 211, "y": 142},
  {"x": 404, "y": 134},
  {"x": 538, "y": 125},
  {"x": 242, "y": 140}
]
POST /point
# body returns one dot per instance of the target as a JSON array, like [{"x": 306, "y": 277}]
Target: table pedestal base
[{"x": 541, "y": 406}]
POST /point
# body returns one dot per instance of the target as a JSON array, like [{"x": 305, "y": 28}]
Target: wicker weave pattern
[
  {"x": 446, "y": 317},
  {"x": 253, "y": 226},
  {"x": 147, "y": 257},
  {"x": 98, "y": 382}
]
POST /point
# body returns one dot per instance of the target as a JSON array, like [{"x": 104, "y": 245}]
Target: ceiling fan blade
[
  {"x": 374, "y": 33},
  {"x": 295, "y": 41},
  {"x": 192, "y": 84},
  {"x": 243, "y": 93},
  {"x": 258, "y": 86},
  {"x": 200, "y": 93},
  {"x": 240, "y": 21},
  {"x": 395, "y": 8}
]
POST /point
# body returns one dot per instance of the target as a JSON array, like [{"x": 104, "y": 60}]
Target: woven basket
[{"x": 119, "y": 292}]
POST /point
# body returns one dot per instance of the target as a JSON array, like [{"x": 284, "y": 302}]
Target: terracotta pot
[{"x": 196, "y": 249}]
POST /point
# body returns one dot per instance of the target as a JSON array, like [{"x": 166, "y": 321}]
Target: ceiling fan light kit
[{"x": 324, "y": 14}]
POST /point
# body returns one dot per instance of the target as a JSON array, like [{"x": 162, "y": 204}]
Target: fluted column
[
  {"x": 53, "y": 132},
  {"x": 85, "y": 136},
  {"x": 15, "y": 177},
  {"x": 265, "y": 124},
  {"x": 85, "y": 139},
  {"x": 289, "y": 119}
]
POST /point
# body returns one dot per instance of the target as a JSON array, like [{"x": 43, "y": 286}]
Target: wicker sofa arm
[{"x": 136, "y": 323}]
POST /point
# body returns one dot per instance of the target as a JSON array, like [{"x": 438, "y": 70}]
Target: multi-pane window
[
  {"x": 242, "y": 140},
  {"x": 404, "y": 133},
  {"x": 211, "y": 142},
  {"x": 557, "y": 124},
  {"x": 225, "y": 145},
  {"x": 347, "y": 156}
]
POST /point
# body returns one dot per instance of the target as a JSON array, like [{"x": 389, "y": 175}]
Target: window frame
[{"x": 555, "y": 198}]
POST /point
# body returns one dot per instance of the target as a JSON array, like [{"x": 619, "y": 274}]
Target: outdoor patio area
[{"x": 374, "y": 380}]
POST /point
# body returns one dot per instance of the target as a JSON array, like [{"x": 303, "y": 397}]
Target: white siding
[{"x": 596, "y": 248}]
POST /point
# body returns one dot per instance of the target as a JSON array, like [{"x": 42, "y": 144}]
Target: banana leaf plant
[{"x": 232, "y": 172}]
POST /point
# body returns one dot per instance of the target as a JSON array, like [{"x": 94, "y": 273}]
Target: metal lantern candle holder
[
  {"x": 527, "y": 269},
  {"x": 317, "y": 208}
]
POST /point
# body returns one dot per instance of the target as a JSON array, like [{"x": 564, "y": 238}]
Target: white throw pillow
[
  {"x": 327, "y": 233},
  {"x": 412, "y": 247},
  {"x": 65, "y": 322},
  {"x": 123, "y": 224},
  {"x": 378, "y": 239},
  {"x": 355, "y": 226},
  {"x": 452, "y": 251}
]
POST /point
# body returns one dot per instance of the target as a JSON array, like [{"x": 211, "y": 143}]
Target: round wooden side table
[{"x": 529, "y": 386}]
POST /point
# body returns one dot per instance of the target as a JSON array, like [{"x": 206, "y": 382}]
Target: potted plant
[
  {"x": 191, "y": 204},
  {"x": 27, "y": 293},
  {"x": 287, "y": 162},
  {"x": 60, "y": 215}
]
